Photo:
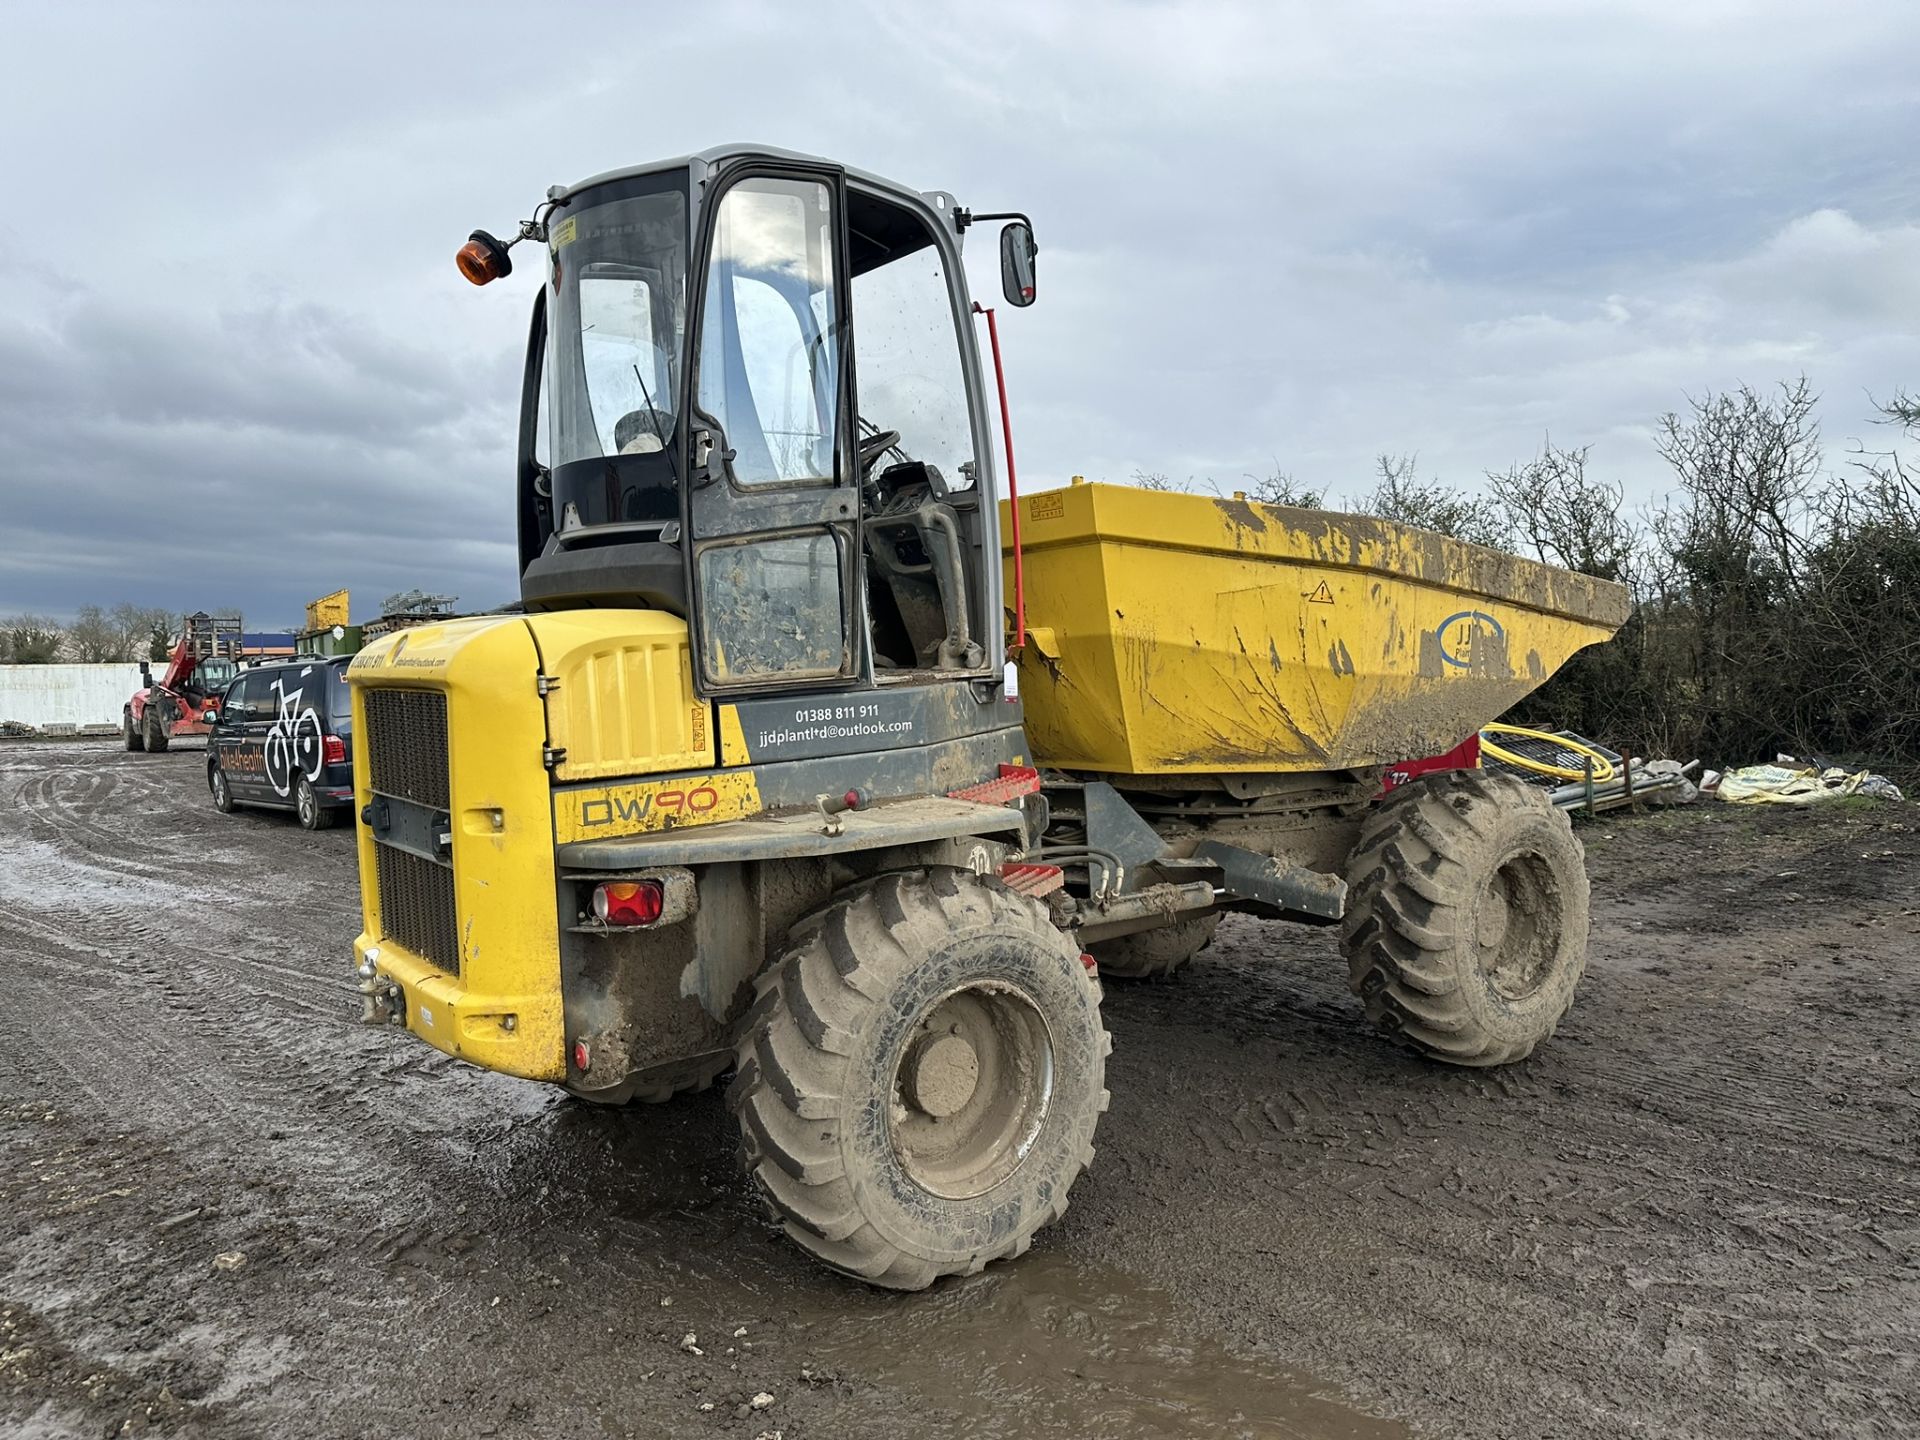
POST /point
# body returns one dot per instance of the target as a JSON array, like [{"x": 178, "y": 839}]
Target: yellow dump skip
[{"x": 1180, "y": 634}]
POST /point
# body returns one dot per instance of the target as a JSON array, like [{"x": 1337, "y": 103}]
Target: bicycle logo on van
[{"x": 294, "y": 745}]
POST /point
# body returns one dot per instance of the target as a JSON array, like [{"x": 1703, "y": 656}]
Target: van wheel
[
  {"x": 920, "y": 1077},
  {"x": 1466, "y": 927},
  {"x": 307, "y": 807},
  {"x": 130, "y": 734},
  {"x": 222, "y": 791}
]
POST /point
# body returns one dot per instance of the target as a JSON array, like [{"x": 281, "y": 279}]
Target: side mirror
[
  {"x": 1016, "y": 262},
  {"x": 209, "y": 716}
]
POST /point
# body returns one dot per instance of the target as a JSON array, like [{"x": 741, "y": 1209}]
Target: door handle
[{"x": 705, "y": 471}]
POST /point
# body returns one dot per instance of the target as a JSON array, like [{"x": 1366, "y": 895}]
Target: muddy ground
[{"x": 1695, "y": 1213}]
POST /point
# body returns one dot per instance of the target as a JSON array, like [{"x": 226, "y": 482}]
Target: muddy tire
[
  {"x": 157, "y": 736},
  {"x": 920, "y": 1077},
  {"x": 640, "y": 1093},
  {"x": 1149, "y": 954},
  {"x": 1466, "y": 928},
  {"x": 131, "y": 735}
]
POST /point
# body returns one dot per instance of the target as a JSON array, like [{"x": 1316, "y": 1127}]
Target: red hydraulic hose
[{"x": 1013, "y": 485}]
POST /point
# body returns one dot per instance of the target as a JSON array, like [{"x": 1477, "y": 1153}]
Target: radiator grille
[
  {"x": 407, "y": 745},
  {"x": 406, "y": 736},
  {"x": 416, "y": 906}
]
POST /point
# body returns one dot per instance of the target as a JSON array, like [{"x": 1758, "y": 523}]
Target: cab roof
[{"x": 703, "y": 162}]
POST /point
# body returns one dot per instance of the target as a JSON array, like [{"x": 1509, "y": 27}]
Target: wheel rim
[
  {"x": 220, "y": 788},
  {"x": 971, "y": 1088},
  {"x": 1516, "y": 924},
  {"x": 306, "y": 803}
]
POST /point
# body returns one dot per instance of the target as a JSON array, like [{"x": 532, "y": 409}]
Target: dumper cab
[{"x": 759, "y": 553}]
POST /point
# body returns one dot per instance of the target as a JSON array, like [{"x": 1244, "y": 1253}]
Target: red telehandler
[{"x": 198, "y": 672}]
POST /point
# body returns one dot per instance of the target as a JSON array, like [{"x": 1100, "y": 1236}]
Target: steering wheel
[{"x": 873, "y": 446}]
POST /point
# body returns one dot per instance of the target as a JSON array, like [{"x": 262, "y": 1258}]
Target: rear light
[
  {"x": 333, "y": 750},
  {"x": 628, "y": 902}
]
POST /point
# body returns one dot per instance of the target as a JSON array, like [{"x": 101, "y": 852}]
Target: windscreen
[{"x": 616, "y": 322}]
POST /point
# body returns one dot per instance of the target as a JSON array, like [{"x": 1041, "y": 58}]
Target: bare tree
[
  {"x": 1566, "y": 518},
  {"x": 1400, "y": 495},
  {"x": 1747, "y": 467},
  {"x": 92, "y": 639},
  {"x": 134, "y": 625},
  {"x": 1278, "y": 487},
  {"x": 1156, "y": 480}
]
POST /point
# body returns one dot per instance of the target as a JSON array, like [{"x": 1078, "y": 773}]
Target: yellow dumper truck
[{"x": 748, "y": 781}]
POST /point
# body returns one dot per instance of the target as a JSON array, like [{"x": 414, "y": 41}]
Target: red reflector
[
  {"x": 628, "y": 902},
  {"x": 333, "y": 750},
  {"x": 581, "y": 1055},
  {"x": 1088, "y": 961}
]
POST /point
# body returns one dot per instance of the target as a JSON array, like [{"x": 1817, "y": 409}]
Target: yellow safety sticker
[{"x": 564, "y": 233}]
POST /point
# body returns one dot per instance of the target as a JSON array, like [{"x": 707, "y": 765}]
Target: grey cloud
[{"x": 234, "y": 355}]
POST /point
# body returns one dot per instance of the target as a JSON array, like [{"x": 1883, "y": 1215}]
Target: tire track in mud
[
  {"x": 1691, "y": 1213},
  {"x": 1693, "y": 1162},
  {"x": 185, "y": 952}
]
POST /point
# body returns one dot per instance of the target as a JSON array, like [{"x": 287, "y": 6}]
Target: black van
[{"x": 284, "y": 738}]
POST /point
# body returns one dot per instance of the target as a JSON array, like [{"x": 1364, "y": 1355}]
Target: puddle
[{"x": 1050, "y": 1346}]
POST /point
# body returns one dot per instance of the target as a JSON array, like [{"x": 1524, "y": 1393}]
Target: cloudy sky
[{"x": 237, "y": 366}]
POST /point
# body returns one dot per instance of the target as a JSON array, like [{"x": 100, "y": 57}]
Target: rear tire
[
  {"x": 1150, "y": 954},
  {"x": 308, "y": 809},
  {"x": 920, "y": 1078},
  {"x": 130, "y": 734},
  {"x": 1466, "y": 928},
  {"x": 157, "y": 736}
]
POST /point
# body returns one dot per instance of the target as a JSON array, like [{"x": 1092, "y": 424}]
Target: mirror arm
[{"x": 963, "y": 218}]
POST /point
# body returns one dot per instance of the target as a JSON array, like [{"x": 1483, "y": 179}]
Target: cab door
[
  {"x": 772, "y": 507},
  {"x": 239, "y": 735}
]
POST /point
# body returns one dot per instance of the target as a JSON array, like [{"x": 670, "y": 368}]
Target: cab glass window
[
  {"x": 907, "y": 351},
  {"x": 769, "y": 347},
  {"x": 628, "y": 367},
  {"x": 618, "y": 309},
  {"x": 773, "y": 607}
]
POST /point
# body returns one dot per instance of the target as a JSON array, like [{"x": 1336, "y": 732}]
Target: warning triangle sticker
[{"x": 1321, "y": 596}]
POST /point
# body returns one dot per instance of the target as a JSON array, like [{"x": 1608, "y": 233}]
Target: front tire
[
  {"x": 131, "y": 735},
  {"x": 222, "y": 790},
  {"x": 920, "y": 1078},
  {"x": 1466, "y": 928},
  {"x": 157, "y": 736}
]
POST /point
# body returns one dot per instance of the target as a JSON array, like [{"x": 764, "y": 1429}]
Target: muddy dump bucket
[{"x": 1181, "y": 634}]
